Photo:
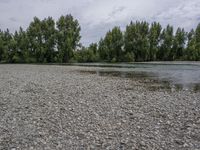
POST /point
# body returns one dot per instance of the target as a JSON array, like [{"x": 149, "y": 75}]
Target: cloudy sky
[{"x": 98, "y": 16}]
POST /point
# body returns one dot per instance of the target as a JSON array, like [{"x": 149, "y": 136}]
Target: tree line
[
  {"x": 47, "y": 41},
  {"x": 44, "y": 41}
]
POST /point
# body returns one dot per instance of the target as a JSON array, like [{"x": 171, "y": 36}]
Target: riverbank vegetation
[{"x": 49, "y": 41}]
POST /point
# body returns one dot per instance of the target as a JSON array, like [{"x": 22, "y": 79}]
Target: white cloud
[
  {"x": 98, "y": 16},
  {"x": 186, "y": 15}
]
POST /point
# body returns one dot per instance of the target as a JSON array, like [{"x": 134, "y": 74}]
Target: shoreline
[{"x": 110, "y": 63}]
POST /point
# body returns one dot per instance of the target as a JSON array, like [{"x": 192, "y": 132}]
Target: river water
[{"x": 185, "y": 75}]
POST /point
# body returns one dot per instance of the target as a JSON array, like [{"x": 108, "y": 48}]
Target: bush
[
  {"x": 16, "y": 59},
  {"x": 129, "y": 57},
  {"x": 31, "y": 60},
  {"x": 114, "y": 60},
  {"x": 85, "y": 55},
  {"x": 73, "y": 60}
]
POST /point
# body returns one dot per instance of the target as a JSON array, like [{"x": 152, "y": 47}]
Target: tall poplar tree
[{"x": 68, "y": 37}]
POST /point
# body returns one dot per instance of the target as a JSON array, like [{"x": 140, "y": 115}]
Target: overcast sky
[{"x": 96, "y": 17}]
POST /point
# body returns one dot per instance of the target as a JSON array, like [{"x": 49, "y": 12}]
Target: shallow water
[{"x": 182, "y": 75}]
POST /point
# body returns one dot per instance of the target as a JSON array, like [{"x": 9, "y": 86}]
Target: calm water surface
[{"x": 185, "y": 75}]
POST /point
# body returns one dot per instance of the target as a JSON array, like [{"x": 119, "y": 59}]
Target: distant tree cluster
[
  {"x": 47, "y": 41},
  {"x": 44, "y": 41},
  {"x": 142, "y": 41}
]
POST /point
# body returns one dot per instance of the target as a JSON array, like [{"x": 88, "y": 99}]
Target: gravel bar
[{"x": 44, "y": 107}]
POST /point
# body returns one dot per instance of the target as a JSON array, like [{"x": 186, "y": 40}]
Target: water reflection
[{"x": 173, "y": 76}]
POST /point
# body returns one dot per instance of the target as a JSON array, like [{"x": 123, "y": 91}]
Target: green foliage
[
  {"x": 103, "y": 51},
  {"x": 68, "y": 37},
  {"x": 110, "y": 48},
  {"x": 114, "y": 60},
  {"x": 16, "y": 58},
  {"x": 87, "y": 54},
  {"x": 47, "y": 41},
  {"x": 154, "y": 39},
  {"x": 178, "y": 48},
  {"x": 136, "y": 40},
  {"x": 197, "y": 42},
  {"x": 166, "y": 44},
  {"x": 129, "y": 57},
  {"x": 1, "y": 46},
  {"x": 42, "y": 38}
]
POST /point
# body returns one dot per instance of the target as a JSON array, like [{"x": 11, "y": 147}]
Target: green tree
[
  {"x": 68, "y": 37},
  {"x": 166, "y": 44},
  {"x": 1, "y": 46},
  {"x": 22, "y": 44},
  {"x": 117, "y": 44},
  {"x": 48, "y": 39},
  {"x": 113, "y": 43},
  {"x": 193, "y": 46},
  {"x": 15, "y": 52},
  {"x": 190, "y": 50},
  {"x": 103, "y": 51},
  {"x": 137, "y": 41},
  {"x": 178, "y": 49},
  {"x": 197, "y": 42},
  {"x": 94, "y": 48},
  {"x": 8, "y": 46},
  {"x": 154, "y": 39},
  {"x": 34, "y": 33},
  {"x": 85, "y": 55}
]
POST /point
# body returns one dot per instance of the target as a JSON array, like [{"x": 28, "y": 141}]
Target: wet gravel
[{"x": 58, "y": 107}]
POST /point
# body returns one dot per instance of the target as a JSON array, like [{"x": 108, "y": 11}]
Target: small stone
[
  {"x": 142, "y": 143},
  {"x": 185, "y": 145},
  {"x": 179, "y": 141}
]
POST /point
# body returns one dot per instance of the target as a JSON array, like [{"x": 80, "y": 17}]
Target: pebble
[{"x": 60, "y": 107}]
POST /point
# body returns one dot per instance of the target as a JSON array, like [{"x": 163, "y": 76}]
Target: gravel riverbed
[{"x": 45, "y": 107}]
